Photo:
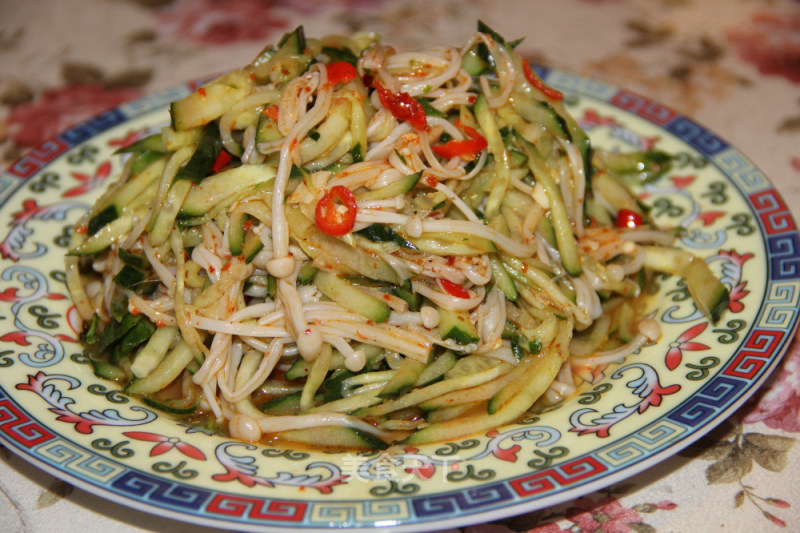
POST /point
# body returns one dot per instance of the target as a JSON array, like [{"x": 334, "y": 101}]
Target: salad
[{"x": 345, "y": 245}]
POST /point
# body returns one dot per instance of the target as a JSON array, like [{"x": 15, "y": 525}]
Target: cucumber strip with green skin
[
  {"x": 578, "y": 137},
  {"x": 237, "y": 228},
  {"x": 115, "y": 330},
  {"x": 545, "y": 229},
  {"x": 252, "y": 245},
  {"x": 540, "y": 112},
  {"x": 471, "y": 364},
  {"x": 117, "y": 228},
  {"x": 484, "y": 28},
  {"x": 211, "y": 101},
  {"x": 176, "y": 140},
  {"x": 422, "y": 394},
  {"x": 136, "y": 187},
  {"x": 615, "y": 193},
  {"x": 106, "y": 370},
  {"x": 502, "y": 279},
  {"x": 91, "y": 334},
  {"x": 436, "y": 247},
  {"x": 709, "y": 294},
  {"x": 267, "y": 130},
  {"x": 151, "y": 143},
  {"x": 176, "y": 406},
  {"x": 336, "y": 53},
  {"x": 169, "y": 369},
  {"x": 129, "y": 277},
  {"x": 544, "y": 369},
  {"x": 594, "y": 210},
  {"x": 328, "y": 250},
  {"x": 536, "y": 277},
  {"x": 330, "y": 131},
  {"x": 635, "y": 167},
  {"x": 319, "y": 369},
  {"x": 625, "y": 319},
  {"x": 428, "y": 108},
  {"x": 384, "y": 233},
  {"x": 406, "y": 292},
  {"x": 288, "y": 404},
  {"x": 457, "y": 325},
  {"x": 104, "y": 237},
  {"x": 102, "y": 218},
  {"x": 151, "y": 354},
  {"x": 517, "y": 159},
  {"x": 143, "y": 160},
  {"x": 292, "y": 43},
  {"x": 519, "y": 376},
  {"x": 332, "y": 388},
  {"x": 391, "y": 190},
  {"x": 223, "y": 187},
  {"x": 442, "y": 414},
  {"x": 299, "y": 369},
  {"x": 473, "y": 63},
  {"x": 161, "y": 225},
  {"x": 307, "y": 273},
  {"x": 351, "y": 297},
  {"x": 334, "y": 437},
  {"x": 136, "y": 336},
  {"x": 562, "y": 226},
  {"x": 119, "y": 306},
  {"x": 199, "y": 165},
  {"x": 348, "y": 404},
  {"x": 403, "y": 380},
  {"x": 435, "y": 371},
  {"x": 472, "y": 395},
  {"x": 496, "y": 147},
  {"x": 132, "y": 258},
  {"x": 440, "y": 243}
]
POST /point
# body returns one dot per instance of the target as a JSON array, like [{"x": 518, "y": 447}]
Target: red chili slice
[
  {"x": 537, "y": 82},
  {"x": 466, "y": 148},
  {"x": 403, "y": 107},
  {"x": 341, "y": 72},
  {"x": 221, "y": 161},
  {"x": 272, "y": 112},
  {"x": 454, "y": 289},
  {"x": 627, "y": 218},
  {"x": 335, "y": 213}
]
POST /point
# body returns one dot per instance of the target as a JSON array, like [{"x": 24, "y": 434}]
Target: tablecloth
[{"x": 732, "y": 65}]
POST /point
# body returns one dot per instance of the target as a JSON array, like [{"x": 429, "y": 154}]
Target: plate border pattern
[{"x": 759, "y": 352}]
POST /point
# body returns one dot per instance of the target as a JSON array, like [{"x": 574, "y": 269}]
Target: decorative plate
[{"x": 55, "y": 413}]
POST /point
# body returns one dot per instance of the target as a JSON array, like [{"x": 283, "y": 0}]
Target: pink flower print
[
  {"x": 56, "y": 110},
  {"x": 779, "y": 406},
  {"x": 771, "y": 41},
  {"x": 217, "y": 23},
  {"x": 607, "y": 515}
]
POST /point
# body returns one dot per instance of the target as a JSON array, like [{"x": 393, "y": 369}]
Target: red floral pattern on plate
[{"x": 772, "y": 42}]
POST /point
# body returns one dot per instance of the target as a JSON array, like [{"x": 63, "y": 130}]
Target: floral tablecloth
[{"x": 732, "y": 65}]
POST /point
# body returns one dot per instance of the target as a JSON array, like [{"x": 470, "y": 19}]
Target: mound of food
[{"x": 344, "y": 245}]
